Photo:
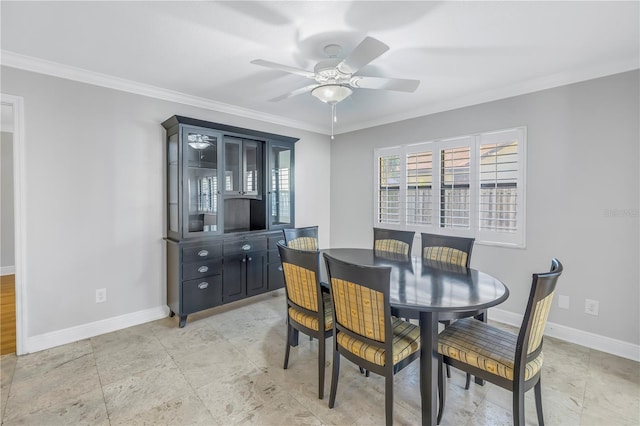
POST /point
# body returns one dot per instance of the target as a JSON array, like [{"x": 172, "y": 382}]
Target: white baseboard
[
  {"x": 7, "y": 270},
  {"x": 573, "y": 335},
  {"x": 85, "y": 331}
]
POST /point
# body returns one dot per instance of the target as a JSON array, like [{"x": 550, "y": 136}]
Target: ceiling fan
[{"x": 335, "y": 79}]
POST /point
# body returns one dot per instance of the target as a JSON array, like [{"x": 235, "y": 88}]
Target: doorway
[{"x": 11, "y": 267}]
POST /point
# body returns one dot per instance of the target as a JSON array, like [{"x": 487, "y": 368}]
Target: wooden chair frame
[
  {"x": 308, "y": 260},
  {"x": 378, "y": 279},
  {"x": 543, "y": 285},
  {"x": 291, "y": 234}
]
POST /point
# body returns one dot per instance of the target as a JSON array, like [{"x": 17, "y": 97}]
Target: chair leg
[
  {"x": 286, "y": 352},
  {"x": 388, "y": 399},
  {"x": 334, "y": 377},
  {"x": 538, "y": 393},
  {"x": 442, "y": 390},
  {"x": 448, "y": 371},
  {"x": 468, "y": 382},
  {"x": 321, "y": 355},
  {"x": 518, "y": 407}
]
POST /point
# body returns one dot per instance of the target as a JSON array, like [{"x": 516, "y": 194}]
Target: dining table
[{"x": 427, "y": 291}]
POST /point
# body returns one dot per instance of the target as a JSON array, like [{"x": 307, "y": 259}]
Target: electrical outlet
[
  {"x": 101, "y": 295},
  {"x": 591, "y": 307},
  {"x": 563, "y": 302}
]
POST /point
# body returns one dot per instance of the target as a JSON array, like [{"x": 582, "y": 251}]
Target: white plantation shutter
[
  {"x": 501, "y": 187},
  {"x": 455, "y": 179},
  {"x": 389, "y": 183},
  {"x": 419, "y": 181},
  {"x": 470, "y": 186}
]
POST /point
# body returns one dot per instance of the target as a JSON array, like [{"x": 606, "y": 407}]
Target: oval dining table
[{"x": 427, "y": 291}]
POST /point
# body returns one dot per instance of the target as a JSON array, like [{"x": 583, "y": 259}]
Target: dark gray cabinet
[{"x": 229, "y": 192}]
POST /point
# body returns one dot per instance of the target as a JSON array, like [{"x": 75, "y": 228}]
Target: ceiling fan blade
[
  {"x": 284, "y": 68},
  {"x": 397, "y": 84},
  {"x": 368, "y": 50},
  {"x": 296, "y": 92}
]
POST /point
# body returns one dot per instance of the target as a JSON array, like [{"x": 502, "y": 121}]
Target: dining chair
[
  {"x": 365, "y": 333},
  {"x": 455, "y": 251},
  {"x": 509, "y": 360},
  {"x": 309, "y": 309},
  {"x": 302, "y": 238},
  {"x": 393, "y": 241},
  {"x": 447, "y": 249}
]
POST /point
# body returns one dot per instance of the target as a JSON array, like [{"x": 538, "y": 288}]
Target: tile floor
[{"x": 225, "y": 367}]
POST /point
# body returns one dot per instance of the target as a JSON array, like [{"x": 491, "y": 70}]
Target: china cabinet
[{"x": 229, "y": 192}]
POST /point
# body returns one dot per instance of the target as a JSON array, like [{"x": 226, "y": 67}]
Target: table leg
[{"x": 429, "y": 367}]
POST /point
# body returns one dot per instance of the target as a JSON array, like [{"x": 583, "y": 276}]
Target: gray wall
[
  {"x": 582, "y": 194},
  {"x": 93, "y": 196},
  {"x": 7, "y": 251}
]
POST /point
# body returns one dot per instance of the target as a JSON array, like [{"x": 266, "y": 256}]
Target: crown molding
[{"x": 41, "y": 66}]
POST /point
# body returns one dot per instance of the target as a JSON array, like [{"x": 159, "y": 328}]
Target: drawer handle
[
  {"x": 203, "y": 269},
  {"x": 280, "y": 268},
  {"x": 246, "y": 247},
  {"x": 250, "y": 259},
  {"x": 203, "y": 285},
  {"x": 203, "y": 253},
  {"x": 244, "y": 260},
  {"x": 281, "y": 242}
]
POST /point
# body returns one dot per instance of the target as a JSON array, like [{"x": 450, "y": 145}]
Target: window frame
[{"x": 514, "y": 239}]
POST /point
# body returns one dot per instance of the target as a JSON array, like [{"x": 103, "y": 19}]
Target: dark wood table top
[{"x": 429, "y": 286}]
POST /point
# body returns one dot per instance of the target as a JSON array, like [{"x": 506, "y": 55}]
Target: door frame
[{"x": 17, "y": 105}]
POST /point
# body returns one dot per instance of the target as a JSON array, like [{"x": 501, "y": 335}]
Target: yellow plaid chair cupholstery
[
  {"x": 302, "y": 238},
  {"x": 309, "y": 309},
  {"x": 392, "y": 241},
  {"x": 511, "y": 361},
  {"x": 365, "y": 332}
]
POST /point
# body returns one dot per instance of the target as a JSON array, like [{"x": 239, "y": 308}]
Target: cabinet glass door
[
  {"x": 201, "y": 189},
  {"x": 232, "y": 166},
  {"x": 173, "y": 183},
  {"x": 251, "y": 167},
  {"x": 280, "y": 185}
]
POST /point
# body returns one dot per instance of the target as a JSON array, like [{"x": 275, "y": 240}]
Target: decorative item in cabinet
[{"x": 194, "y": 277}]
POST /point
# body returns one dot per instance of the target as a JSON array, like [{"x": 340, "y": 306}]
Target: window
[{"x": 468, "y": 186}]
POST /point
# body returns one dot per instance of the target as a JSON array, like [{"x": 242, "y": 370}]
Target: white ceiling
[{"x": 463, "y": 52}]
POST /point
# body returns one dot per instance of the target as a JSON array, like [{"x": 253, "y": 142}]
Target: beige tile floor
[{"x": 225, "y": 367}]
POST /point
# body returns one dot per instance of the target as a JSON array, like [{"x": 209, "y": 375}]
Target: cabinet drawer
[
  {"x": 273, "y": 241},
  {"x": 244, "y": 245},
  {"x": 201, "y": 252},
  {"x": 201, "y": 269},
  {"x": 203, "y": 293}
]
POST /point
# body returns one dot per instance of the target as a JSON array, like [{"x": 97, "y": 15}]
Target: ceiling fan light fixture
[{"x": 332, "y": 93}]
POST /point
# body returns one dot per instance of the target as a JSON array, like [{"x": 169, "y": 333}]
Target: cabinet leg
[{"x": 183, "y": 321}]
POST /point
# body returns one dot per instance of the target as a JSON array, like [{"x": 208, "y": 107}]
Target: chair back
[
  {"x": 360, "y": 300},
  {"x": 302, "y": 278},
  {"x": 530, "y": 339},
  {"x": 446, "y": 249},
  {"x": 393, "y": 241},
  {"x": 302, "y": 238}
]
